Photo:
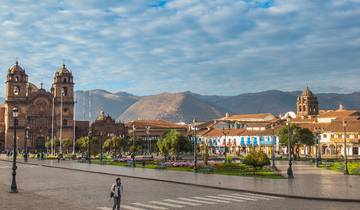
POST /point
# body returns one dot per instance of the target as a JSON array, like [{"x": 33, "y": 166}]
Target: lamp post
[
  {"x": 89, "y": 145},
  {"x": 27, "y": 128},
  {"x": 101, "y": 147},
  {"x": 317, "y": 147},
  {"x": 195, "y": 146},
  {"x": 225, "y": 152},
  {"x": 273, "y": 145},
  {"x": 133, "y": 144},
  {"x": 14, "y": 167},
  {"x": 346, "y": 171},
  {"x": 289, "y": 171},
  {"x": 148, "y": 139}
]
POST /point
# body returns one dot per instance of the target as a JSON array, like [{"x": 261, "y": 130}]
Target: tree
[
  {"x": 108, "y": 145},
  {"x": 83, "y": 144},
  {"x": 121, "y": 144},
  {"x": 48, "y": 144},
  {"x": 204, "y": 150},
  {"x": 298, "y": 136},
  {"x": 256, "y": 159},
  {"x": 172, "y": 143},
  {"x": 66, "y": 144},
  {"x": 163, "y": 146}
]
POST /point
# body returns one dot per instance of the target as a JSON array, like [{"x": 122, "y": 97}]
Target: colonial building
[
  {"x": 328, "y": 126},
  {"x": 44, "y": 113},
  {"x": 105, "y": 127},
  {"x": 238, "y": 133},
  {"x": 153, "y": 128}
]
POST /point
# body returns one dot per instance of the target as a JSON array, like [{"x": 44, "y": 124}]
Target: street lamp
[
  {"x": 89, "y": 143},
  {"x": 289, "y": 171},
  {"x": 27, "y": 128},
  {"x": 195, "y": 146},
  {"x": 133, "y": 143},
  {"x": 273, "y": 145},
  {"x": 346, "y": 171},
  {"x": 14, "y": 167},
  {"x": 101, "y": 147},
  {"x": 225, "y": 153},
  {"x": 148, "y": 139},
  {"x": 317, "y": 146}
]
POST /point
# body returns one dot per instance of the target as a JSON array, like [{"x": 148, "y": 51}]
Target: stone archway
[
  {"x": 324, "y": 149},
  {"x": 332, "y": 149}
]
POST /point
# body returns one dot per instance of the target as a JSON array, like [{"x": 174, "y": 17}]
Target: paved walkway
[{"x": 309, "y": 182}]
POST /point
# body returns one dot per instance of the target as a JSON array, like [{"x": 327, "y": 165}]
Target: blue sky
[{"x": 210, "y": 47}]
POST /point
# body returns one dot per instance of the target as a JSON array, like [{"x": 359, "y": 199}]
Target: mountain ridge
[
  {"x": 270, "y": 101},
  {"x": 189, "y": 104}
]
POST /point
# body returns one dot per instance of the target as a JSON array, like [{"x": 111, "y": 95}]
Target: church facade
[{"x": 45, "y": 114}]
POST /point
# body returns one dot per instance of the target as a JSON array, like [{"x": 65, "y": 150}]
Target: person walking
[{"x": 116, "y": 191}]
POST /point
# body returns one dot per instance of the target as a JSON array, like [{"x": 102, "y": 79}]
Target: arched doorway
[
  {"x": 40, "y": 144},
  {"x": 332, "y": 149}
]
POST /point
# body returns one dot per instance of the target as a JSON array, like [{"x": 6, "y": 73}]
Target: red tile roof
[
  {"x": 249, "y": 117},
  {"x": 154, "y": 124}
]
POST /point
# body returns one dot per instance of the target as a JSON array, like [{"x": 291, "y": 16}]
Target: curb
[{"x": 200, "y": 185}]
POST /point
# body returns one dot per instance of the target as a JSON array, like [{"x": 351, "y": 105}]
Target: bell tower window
[
  {"x": 64, "y": 91},
  {"x": 16, "y": 90},
  {"x": 16, "y": 78},
  {"x": 64, "y": 80}
]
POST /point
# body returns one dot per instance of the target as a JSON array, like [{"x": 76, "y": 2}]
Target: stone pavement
[
  {"x": 29, "y": 201},
  {"x": 308, "y": 183}
]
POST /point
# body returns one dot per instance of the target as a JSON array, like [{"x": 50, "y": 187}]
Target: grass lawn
[
  {"x": 233, "y": 170},
  {"x": 353, "y": 167}
]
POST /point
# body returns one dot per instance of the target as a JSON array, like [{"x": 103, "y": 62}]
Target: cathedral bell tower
[
  {"x": 307, "y": 104},
  {"x": 16, "y": 82},
  {"x": 63, "y": 93}
]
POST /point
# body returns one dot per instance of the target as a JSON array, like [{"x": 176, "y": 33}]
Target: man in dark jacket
[{"x": 116, "y": 191}]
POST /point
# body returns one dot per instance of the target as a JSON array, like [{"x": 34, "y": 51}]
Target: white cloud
[{"x": 214, "y": 47}]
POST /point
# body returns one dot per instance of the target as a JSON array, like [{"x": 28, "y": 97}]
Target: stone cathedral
[{"x": 39, "y": 110}]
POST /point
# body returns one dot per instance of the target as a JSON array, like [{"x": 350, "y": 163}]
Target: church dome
[
  {"x": 63, "y": 70},
  {"x": 101, "y": 116},
  {"x": 307, "y": 92},
  {"x": 16, "y": 68}
]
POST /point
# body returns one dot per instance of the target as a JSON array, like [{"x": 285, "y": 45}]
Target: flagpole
[
  {"x": 52, "y": 126},
  {"x": 61, "y": 119},
  {"x": 74, "y": 136}
]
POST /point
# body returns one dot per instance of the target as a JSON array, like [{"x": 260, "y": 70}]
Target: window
[
  {"x": 65, "y": 110},
  {"x": 324, "y": 136},
  {"x": 64, "y": 80},
  {"x": 64, "y": 122},
  {"x": 16, "y": 78},
  {"x": 16, "y": 90},
  {"x": 64, "y": 91}
]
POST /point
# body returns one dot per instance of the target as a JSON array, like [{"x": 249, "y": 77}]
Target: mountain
[
  {"x": 185, "y": 106},
  {"x": 177, "y": 107},
  {"x": 272, "y": 101},
  {"x": 112, "y": 103},
  {"x": 276, "y": 102}
]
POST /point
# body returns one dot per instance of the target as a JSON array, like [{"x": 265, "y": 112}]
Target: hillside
[{"x": 171, "y": 106}]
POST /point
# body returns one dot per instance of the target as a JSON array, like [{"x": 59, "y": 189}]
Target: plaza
[{"x": 41, "y": 181}]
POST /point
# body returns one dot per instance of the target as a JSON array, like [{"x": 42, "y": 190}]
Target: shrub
[
  {"x": 256, "y": 159},
  {"x": 229, "y": 159}
]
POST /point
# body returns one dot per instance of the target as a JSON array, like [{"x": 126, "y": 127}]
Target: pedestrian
[{"x": 116, "y": 191}]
